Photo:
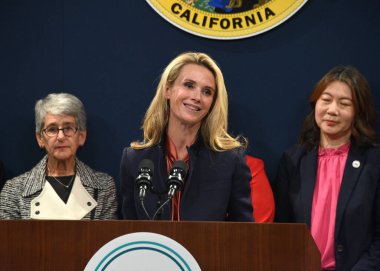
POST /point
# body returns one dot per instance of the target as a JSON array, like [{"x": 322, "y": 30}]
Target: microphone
[
  {"x": 175, "y": 182},
  {"x": 144, "y": 179},
  {"x": 177, "y": 177}
]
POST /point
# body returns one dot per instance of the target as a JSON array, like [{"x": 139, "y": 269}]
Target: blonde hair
[{"x": 214, "y": 125}]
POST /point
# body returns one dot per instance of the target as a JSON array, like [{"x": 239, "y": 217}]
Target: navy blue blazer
[
  {"x": 216, "y": 187},
  {"x": 357, "y": 224}
]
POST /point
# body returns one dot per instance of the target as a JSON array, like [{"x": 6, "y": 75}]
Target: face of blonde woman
[
  {"x": 61, "y": 137},
  {"x": 191, "y": 95},
  {"x": 334, "y": 113}
]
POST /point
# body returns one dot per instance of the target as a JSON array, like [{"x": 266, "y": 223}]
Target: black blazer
[
  {"x": 216, "y": 188},
  {"x": 357, "y": 224}
]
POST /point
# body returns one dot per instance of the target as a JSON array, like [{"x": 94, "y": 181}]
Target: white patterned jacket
[{"x": 18, "y": 193}]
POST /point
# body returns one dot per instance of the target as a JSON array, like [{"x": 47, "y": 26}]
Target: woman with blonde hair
[{"x": 187, "y": 121}]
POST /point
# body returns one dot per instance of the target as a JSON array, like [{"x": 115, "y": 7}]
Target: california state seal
[{"x": 226, "y": 19}]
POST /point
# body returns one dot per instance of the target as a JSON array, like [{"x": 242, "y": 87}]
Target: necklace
[
  {"x": 61, "y": 183},
  {"x": 68, "y": 185}
]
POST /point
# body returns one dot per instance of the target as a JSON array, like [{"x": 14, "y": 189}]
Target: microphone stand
[
  {"x": 159, "y": 214},
  {"x": 144, "y": 208},
  {"x": 159, "y": 210}
]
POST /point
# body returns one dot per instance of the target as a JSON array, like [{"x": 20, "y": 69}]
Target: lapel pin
[{"x": 356, "y": 164}]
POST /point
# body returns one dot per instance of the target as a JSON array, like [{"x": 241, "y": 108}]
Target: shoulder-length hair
[
  {"x": 364, "y": 123},
  {"x": 214, "y": 126}
]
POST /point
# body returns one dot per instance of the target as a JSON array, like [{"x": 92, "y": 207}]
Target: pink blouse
[{"x": 331, "y": 163}]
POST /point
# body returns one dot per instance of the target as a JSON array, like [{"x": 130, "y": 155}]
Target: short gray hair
[{"x": 60, "y": 104}]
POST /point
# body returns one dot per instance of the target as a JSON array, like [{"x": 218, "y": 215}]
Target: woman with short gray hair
[{"x": 60, "y": 186}]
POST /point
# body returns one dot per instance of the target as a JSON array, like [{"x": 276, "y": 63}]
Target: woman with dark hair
[{"x": 331, "y": 180}]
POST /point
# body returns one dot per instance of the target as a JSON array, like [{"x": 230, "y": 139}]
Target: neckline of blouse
[{"x": 334, "y": 151}]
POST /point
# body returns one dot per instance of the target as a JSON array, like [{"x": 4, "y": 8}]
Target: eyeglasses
[{"x": 54, "y": 130}]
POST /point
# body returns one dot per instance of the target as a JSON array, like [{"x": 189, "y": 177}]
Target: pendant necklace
[
  {"x": 68, "y": 185},
  {"x": 61, "y": 183}
]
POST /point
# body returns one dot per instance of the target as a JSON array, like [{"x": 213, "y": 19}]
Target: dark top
[
  {"x": 216, "y": 188},
  {"x": 62, "y": 185},
  {"x": 357, "y": 223}
]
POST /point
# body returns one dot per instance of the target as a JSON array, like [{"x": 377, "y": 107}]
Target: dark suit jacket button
[{"x": 339, "y": 248}]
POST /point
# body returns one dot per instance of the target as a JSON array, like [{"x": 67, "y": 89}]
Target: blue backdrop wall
[{"x": 111, "y": 53}]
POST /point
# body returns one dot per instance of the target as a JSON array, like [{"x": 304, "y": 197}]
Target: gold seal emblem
[{"x": 226, "y": 19}]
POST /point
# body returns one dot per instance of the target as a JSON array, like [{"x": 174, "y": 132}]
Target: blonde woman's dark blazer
[{"x": 216, "y": 187}]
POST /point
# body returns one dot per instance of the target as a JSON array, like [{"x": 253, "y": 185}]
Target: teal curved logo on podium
[{"x": 142, "y": 251}]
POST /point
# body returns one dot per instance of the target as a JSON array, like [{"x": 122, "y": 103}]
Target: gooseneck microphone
[
  {"x": 176, "y": 178},
  {"x": 144, "y": 180},
  {"x": 175, "y": 182}
]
